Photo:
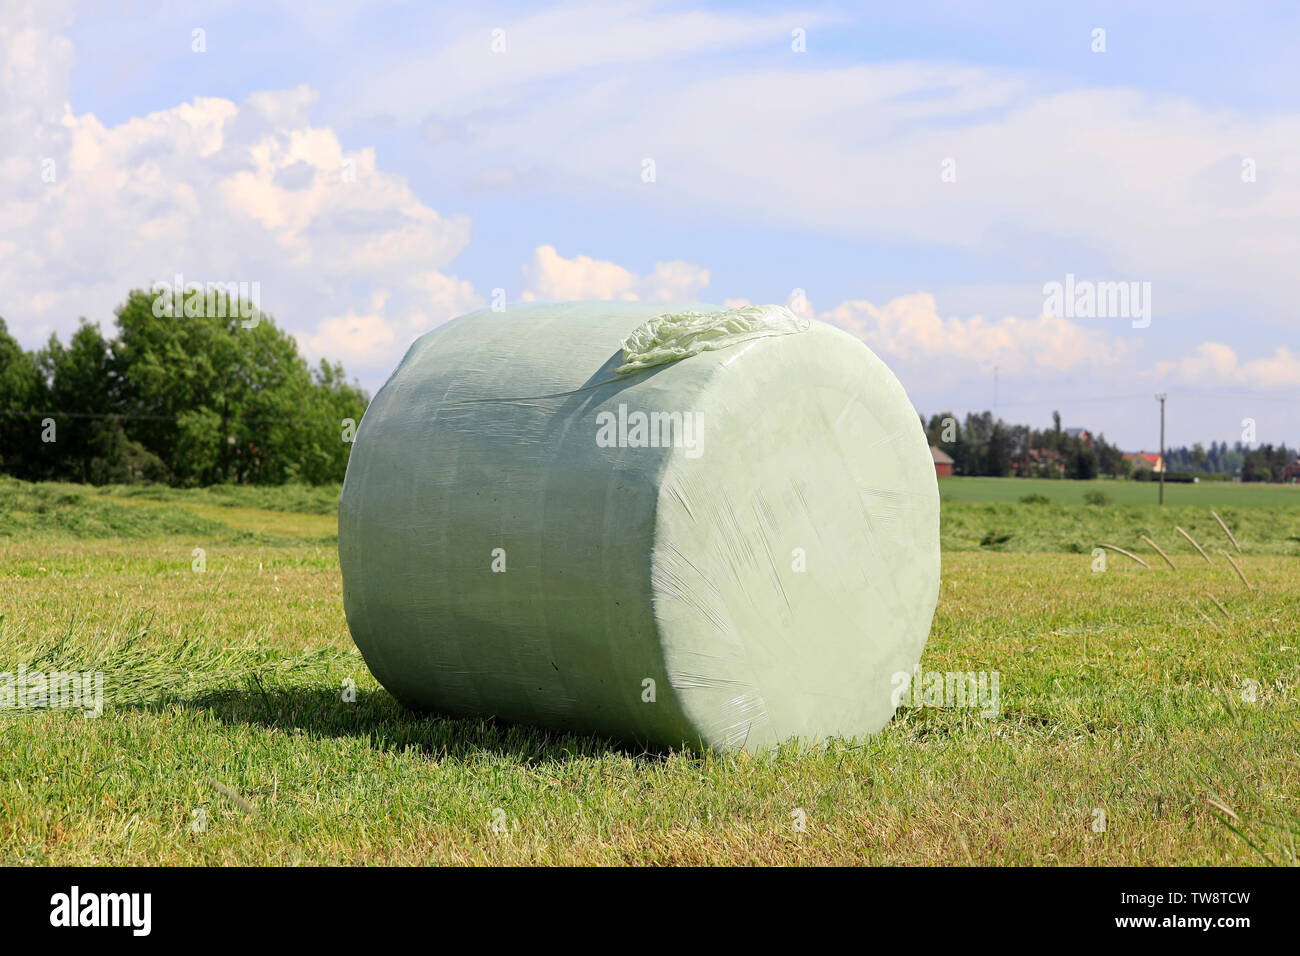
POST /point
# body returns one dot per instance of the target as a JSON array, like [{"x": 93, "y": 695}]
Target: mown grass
[
  {"x": 1128, "y": 692},
  {"x": 1204, "y": 494},
  {"x": 301, "y": 499},
  {"x": 1077, "y": 529},
  {"x": 226, "y": 513}
]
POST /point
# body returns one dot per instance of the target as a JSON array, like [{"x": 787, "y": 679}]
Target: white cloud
[
  {"x": 479, "y": 70},
  {"x": 551, "y": 277},
  {"x": 365, "y": 340},
  {"x": 1049, "y": 181},
  {"x": 1109, "y": 183},
  {"x": 908, "y": 330},
  {"x": 1213, "y": 363},
  {"x": 1047, "y": 363},
  {"x": 378, "y": 335},
  {"x": 346, "y": 255}
]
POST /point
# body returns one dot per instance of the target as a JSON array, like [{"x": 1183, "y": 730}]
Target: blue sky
[{"x": 776, "y": 170}]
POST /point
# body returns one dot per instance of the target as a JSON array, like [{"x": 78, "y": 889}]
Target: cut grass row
[
  {"x": 1077, "y": 529},
  {"x": 234, "y": 515},
  {"x": 53, "y": 510},
  {"x": 1205, "y": 494}
]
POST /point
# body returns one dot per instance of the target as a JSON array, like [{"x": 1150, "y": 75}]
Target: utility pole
[{"x": 1161, "y": 399}]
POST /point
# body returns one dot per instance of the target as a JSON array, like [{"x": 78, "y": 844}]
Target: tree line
[
  {"x": 984, "y": 445},
  {"x": 194, "y": 389},
  {"x": 1265, "y": 463},
  {"x": 193, "y": 395}
]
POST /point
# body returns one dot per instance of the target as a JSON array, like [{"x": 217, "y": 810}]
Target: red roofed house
[
  {"x": 1144, "y": 459},
  {"x": 942, "y": 463}
]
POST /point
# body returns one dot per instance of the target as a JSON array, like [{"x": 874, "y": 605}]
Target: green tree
[
  {"x": 84, "y": 399},
  {"x": 339, "y": 405},
  {"x": 22, "y": 393},
  {"x": 220, "y": 397}
]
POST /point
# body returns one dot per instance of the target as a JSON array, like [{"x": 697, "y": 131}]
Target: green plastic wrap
[{"x": 674, "y": 525}]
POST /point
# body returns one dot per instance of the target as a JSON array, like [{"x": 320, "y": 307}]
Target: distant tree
[
  {"x": 1082, "y": 462},
  {"x": 1110, "y": 460},
  {"x": 1001, "y": 450},
  {"x": 335, "y": 401},
  {"x": 85, "y": 393},
  {"x": 22, "y": 392},
  {"x": 221, "y": 398},
  {"x": 198, "y": 397},
  {"x": 1265, "y": 463}
]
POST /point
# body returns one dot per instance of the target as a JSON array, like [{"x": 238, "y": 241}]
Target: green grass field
[
  {"x": 1205, "y": 494},
  {"x": 1162, "y": 703}
]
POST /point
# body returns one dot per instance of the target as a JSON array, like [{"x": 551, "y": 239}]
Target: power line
[{"x": 167, "y": 418}]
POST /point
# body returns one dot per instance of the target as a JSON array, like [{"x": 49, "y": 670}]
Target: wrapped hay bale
[{"x": 670, "y": 525}]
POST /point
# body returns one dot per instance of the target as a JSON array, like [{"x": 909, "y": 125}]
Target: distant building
[
  {"x": 1292, "y": 471},
  {"x": 942, "y": 463},
  {"x": 1144, "y": 459},
  {"x": 1045, "y": 459},
  {"x": 1084, "y": 436}
]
